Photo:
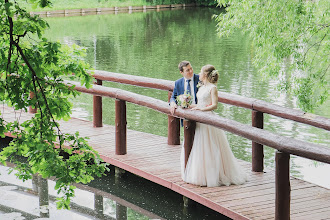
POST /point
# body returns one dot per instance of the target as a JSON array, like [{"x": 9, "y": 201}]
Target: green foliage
[
  {"x": 31, "y": 63},
  {"x": 291, "y": 43}
]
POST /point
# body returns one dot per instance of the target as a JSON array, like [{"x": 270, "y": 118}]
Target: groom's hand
[{"x": 173, "y": 107}]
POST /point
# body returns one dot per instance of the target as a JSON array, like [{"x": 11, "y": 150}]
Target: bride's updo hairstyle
[{"x": 211, "y": 73}]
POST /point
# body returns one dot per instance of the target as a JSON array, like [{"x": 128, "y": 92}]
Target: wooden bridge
[
  {"x": 269, "y": 194},
  {"x": 111, "y": 10}
]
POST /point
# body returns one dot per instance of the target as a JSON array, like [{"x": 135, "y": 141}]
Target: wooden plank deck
[{"x": 150, "y": 157}]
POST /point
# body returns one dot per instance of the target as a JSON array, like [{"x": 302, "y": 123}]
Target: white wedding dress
[{"x": 211, "y": 161}]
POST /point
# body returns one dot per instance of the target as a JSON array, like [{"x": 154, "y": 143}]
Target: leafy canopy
[
  {"x": 290, "y": 42},
  {"x": 31, "y": 63}
]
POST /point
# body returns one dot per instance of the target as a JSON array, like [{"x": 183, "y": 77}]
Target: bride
[{"x": 211, "y": 161}]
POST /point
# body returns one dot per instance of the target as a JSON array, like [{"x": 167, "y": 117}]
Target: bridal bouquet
[{"x": 184, "y": 100}]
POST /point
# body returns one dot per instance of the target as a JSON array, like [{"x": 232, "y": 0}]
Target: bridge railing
[
  {"x": 285, "y": 144},
  {"x": 260, "y": 137},
  {"x": 258, "y": 108},
  {"x": 223, "y": 97}
]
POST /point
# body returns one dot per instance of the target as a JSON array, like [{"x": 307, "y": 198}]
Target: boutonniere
[{"x": 199, "y": 84}]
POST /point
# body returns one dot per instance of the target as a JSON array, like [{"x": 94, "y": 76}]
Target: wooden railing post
[
  {"x": 173, "y": 132},
  {"x": 35, "y": 183},
  {"x": 189, "y": 134},
  {"x": 121, "y": 212},
  {"x": 257, "y": 149},
  {"x": 31, "y": 109},
  {"x": 43, "y": 196},
  {"x": 97, "y": 108},
  {"x": 98, "y": 205},
  {"x": 121, "y": 130},
  {"x": 282, "y": 186}
]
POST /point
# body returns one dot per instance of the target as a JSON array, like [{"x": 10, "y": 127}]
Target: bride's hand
[
  {"x": 196, "y": 108},
  {"x": 192, "y": 106}
]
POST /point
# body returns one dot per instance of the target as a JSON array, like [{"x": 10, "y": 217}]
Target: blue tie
[{"x": 188, "y": 86}]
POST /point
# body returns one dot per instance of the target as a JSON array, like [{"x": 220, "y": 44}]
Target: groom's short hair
[{"x": 183, "y": 64}]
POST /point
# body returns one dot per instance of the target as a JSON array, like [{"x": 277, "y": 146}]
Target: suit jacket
[{"x": 179, "y": 88}]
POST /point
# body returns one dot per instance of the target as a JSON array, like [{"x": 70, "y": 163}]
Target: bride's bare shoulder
[{"x": 212, "y": 86}]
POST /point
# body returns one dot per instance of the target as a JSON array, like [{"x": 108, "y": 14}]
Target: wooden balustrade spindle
[
  {"x": 173, "y": 132},
  {"x": 257, "y": 149},
  {"x": 121, "y": 128},
  {"x": 282, "y": 186},
  {"x": 189, "y": 133},
  {"x": 97, "y": 108}
]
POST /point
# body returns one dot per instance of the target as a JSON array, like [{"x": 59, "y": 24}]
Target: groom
[{"x": 187, "y": 83}]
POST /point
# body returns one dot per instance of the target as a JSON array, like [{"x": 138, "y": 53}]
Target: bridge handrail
[
  {"x": 223, "y": 97},
  {"x": 281, "y": 143}
]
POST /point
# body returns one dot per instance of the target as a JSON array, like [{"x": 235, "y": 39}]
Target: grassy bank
[{"x": 76, "y": 4}]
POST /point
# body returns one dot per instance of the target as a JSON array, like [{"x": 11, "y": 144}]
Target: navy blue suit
[{"x": 179, "y": 88}]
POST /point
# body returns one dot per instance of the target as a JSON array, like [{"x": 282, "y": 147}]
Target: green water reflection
[{"x": 152, "y": 44}]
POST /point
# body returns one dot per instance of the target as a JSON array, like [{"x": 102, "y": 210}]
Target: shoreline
[{"x": 114, "y": 10}]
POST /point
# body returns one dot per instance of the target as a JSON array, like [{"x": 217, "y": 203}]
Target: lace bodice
[{"x": 204, "y": 95}]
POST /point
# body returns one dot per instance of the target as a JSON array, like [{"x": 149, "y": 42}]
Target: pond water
[{"x": 152, "y": 43}]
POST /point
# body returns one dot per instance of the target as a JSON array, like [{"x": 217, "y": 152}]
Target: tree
[
  {"x": 290, "y": 42},
  {"x": 29, "y": 62}
]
